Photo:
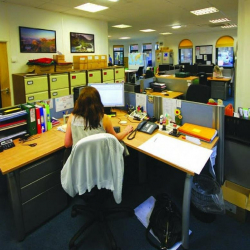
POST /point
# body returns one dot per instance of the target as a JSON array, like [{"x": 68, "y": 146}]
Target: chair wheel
[{"x": 73, "y": 213}]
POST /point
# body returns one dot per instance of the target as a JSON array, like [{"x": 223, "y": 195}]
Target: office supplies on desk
[
  {"x": 203, "y": 133},
  {"x": 138, "y": 115}
]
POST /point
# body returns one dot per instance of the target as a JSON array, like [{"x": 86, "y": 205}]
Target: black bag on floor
[{"x": 165, "y": 222}]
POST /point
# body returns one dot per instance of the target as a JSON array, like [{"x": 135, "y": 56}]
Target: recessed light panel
[
  {"x": 166, "y": 33},
  {"x": 121, "y": 26},
  {"x": 176, "y": 26},
  {"x": 113, "y": 0},
  {"x": 147, "y": 30},
  {"x": 229, "y": 26},
  {"x": 90, "y": 7},
  {"x": 204, "y": 11},
  {"x": 124, "y": 37},
  {"x": 221, "y": 20}
]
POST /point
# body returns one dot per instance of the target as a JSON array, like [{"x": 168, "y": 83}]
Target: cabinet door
[
  {"x": 37, "y": 96},
  {"x": 35, "y": 84},
  {"x": 59, "y": 93},
  {"x": 119, "y": 73},
  {"x": 94, "y": 76},
  {"x": 108, "y": 75},
  {"x": 58, "y": 81},
  {"x": 78, "y": 79}
]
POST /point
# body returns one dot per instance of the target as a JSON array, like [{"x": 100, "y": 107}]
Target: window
[
  {"x": 186, "y": 51},
  {"x": 147, "y": 49},
  {"x": 133, "y": 48},
  {"x": 118, "y": 53}
]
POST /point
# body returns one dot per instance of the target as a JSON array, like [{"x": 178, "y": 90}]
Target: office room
[{"x": 224, "y": 232}]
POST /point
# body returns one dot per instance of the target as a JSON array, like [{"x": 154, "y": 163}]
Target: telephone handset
[{"x": 147, "y": 127}]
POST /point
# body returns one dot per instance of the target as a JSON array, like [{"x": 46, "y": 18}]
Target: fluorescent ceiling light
[
  {"x": 147, "y": 30},
  {"x": 166, "y": 33},
  {"x": 229, "y": 26},
  {"x": 109, "y": 36},
  {"x": 221, "y": 20},
  {"x": 176, "y": 26},
  {"x": 124, "y": 37},
  {"x": 121, "y": 26},
  {"x": 113, "y": 0},
  {"x": 204, "y": 11},
  {"x": 90, "y": 7}
]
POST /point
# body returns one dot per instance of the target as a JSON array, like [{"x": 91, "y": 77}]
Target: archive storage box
[
  {"x": 63, "y": 67},
  {"x": 39, "y": 69},
  {"x": 59, "y": 58},
  {"x": 103, "y": 61},
  {"x": 91, "y": 62},
  {"x": 96, "y": 62},
  {"x": 80, "y": 62}
]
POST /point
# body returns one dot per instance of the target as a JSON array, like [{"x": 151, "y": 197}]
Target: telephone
[{"x": 147, "y": 127}]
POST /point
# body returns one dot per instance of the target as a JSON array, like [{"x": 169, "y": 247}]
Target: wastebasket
[{"x": 207, "y": 199}]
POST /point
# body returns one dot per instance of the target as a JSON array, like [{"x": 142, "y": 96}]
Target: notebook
[{"x": 203, "y": 133}]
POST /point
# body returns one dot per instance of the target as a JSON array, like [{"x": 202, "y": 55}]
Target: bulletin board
[{"x": 204, "y": 54}]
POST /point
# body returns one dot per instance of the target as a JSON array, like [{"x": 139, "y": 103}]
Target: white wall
[{"x": 13, "y": 16}]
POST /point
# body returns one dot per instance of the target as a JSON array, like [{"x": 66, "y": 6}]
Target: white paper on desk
[
  {"x": 169, "y": 106},
  {"x": 188, "y": 156},
  {"x": 141, "y": 99}
]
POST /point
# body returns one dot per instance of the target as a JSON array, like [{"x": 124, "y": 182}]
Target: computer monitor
[
  {"x": 112, "y": 95},
  {"x": 163, "y": 67},
  {"x": 225, "y": 57},
  {"x": 206, "y": 68}
]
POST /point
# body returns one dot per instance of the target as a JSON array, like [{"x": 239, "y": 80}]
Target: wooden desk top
[
  {"x": 177, "y": 78},
  {"x": 224, "y": 79},
  {"x": 171, "y": 94},
  {"x": 53, "y": 140}
]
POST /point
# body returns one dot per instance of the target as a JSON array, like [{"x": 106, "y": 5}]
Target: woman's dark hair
[{"x": 89, "y": 106}]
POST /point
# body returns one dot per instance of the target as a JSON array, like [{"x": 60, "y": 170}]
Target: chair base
[{"x": 99, "y": 216}]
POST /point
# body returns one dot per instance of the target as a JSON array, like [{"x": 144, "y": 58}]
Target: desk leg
[
  {"x": 142, "y": 168},
  {"x": 186, "y": 210}
]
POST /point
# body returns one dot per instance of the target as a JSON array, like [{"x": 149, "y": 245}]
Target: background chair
[
  {"x": 203, "y": 78},
  {"x": 198, "y": 93},
  {"x": 139, "y": 72},
  {"x": 95, "y": 165}
]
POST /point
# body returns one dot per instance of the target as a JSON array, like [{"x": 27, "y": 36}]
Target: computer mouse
[{"x": 123, "y": 122}]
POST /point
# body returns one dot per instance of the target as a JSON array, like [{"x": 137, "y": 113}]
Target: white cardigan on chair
[{"x": 94, "y": 160}]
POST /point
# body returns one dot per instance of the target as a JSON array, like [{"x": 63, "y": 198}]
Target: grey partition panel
[
  {"x": 150, "y": 109},
  {"x": 130, "y": 98}
]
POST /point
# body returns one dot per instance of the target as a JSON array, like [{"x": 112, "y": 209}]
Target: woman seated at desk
[{"x": 88, "y": 118}]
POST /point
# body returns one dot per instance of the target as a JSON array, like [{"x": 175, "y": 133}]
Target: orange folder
[{"x": 203, "y": 133}]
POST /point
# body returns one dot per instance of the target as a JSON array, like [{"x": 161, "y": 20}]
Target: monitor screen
[
  {"x": 206, "y": 68},
  {"x": 112, "y": 94},
  {"x": 225, "y": 57},
  {"x": 163, "y": 67}
]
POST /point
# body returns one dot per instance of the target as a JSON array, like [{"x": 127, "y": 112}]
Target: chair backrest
[
  {"x": 198, "y": 93},
  {"x": 140, "y": 71},
  {"x": 203, "y": 78},
  {"x": 96, "y": 160}
]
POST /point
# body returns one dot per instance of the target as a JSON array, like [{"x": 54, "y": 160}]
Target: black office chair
[
  {"x": 139, "y": 72},
  {"x": 95, "y": 165},
  {"x": 198, "y": 93},
  {"x": 202, "y": 78}
]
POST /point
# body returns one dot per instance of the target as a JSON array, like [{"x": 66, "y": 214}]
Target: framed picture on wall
[
  {"x": 82, "y": 43},
  {"x": 33, "y": 40}
]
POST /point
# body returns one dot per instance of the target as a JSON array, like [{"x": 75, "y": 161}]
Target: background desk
[
  {"x": 171, "y": 94},
  {"x": 219, "y": 87},
  {"x": 175, "y": 83}
]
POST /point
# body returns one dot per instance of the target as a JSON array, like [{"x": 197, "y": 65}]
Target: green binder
[{"x": 31, "y": 118}]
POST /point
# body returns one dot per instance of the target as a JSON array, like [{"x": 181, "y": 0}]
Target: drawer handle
[
  {"x": 54, "y": 79},
  {"x": 55, "y": 93},
  {"x": 105, "y": 73},
  {"x": 29, "y": 82},
  {"x": 90, "y": 75},
  {"x": 30, "y": 98}
]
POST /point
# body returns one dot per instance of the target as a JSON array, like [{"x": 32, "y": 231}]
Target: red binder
[{"x": 38, "y": 121}]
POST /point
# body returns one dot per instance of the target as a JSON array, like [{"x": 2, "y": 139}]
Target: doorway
[{"x": 5, "y": 97}]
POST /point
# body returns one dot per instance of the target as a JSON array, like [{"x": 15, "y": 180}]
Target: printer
[{"x": 158, "y": 87}]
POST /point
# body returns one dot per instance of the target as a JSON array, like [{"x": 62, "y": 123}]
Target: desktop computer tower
[{"x": 77, "y": 91}]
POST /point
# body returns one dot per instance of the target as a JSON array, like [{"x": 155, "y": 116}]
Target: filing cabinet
[
  {"x": 29, "y": 88},
  {"x": 58, "y": 85},
  {"x": 77, "y": 79},
  {"x": 108, "y": 75},
  {"x": 119, "y": 74},
  {"x": 94, "y": 76},
  {"x": 219, "y": 90}
]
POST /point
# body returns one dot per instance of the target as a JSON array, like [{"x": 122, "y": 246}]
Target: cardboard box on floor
[{"x": 237, "y": 200}]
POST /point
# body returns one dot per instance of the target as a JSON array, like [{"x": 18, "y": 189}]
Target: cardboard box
[
  {"x": 80, "y": 59},
  {"x": 237, "y": 195},
  {"x": 80, "y": 66},
  {"x": 59, "y": 58},
  {"x": 38, "y": 69},
  {"x": 64, "y": 67}
]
